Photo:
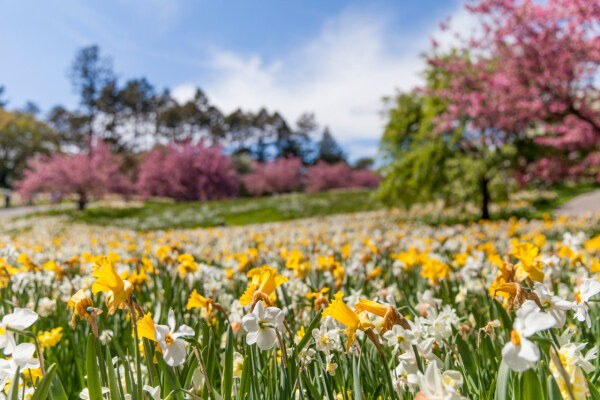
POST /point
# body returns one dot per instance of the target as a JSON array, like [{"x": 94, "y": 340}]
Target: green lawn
[
  {"x": 168, "y": 215},
  {"x": 154, "y": 215}
]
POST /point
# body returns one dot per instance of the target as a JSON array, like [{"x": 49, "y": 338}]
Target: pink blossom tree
[
  {"x": 279, "y": 176},
  {"x": 530, "y": 73},
  {"x": 87, "y": 175},
  {"x": 323, "y": 176},
  {"x": 187, "y": 171}
]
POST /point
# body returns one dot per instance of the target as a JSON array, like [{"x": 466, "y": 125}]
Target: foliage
[
  {"x": 187, "y": 171},
  {"x": 422, "y": 164},
  {"x": 85, "y": 174},
  {"x": 22, "y": 137},
  {"x": 278, "y": 176},
  {"x": 329, "y": 150},
  {"x": 530, "y": 73}
]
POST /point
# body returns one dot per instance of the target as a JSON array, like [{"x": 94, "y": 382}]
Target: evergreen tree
[{"x": 329, "y": 150}]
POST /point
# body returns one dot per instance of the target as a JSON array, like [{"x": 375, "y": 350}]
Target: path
[
  {"x": 588, "y": 203},
  {"x": 21, "y": 211}
]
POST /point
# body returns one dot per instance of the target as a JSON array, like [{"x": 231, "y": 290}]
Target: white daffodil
[
  {"x": 261, "y": 324},
  {"x": 154, "y": 392},
  {"x": 520, "y": 354},
  {"x": 574, "y": 364},
  {"x": 326, "y": 340},
  {"x": 174, "y": 348},
  {"x": 401, "y": 338},
  {"x": 19, "y": 319},
  {"x": 589, "y": 288},
  {"x": 435, "y": 385},
  {"x": 554, "y": 305},
  {"x": 22, "y": 359}
]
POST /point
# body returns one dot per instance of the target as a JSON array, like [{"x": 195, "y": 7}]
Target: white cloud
[{"x": 341, "y": 75}]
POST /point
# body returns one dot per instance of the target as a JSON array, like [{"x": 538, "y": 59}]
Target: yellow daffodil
[
  {"x": 389, "y": 313},
  {"x": 50, "y": 338},
  {"x": 187, "y": 265},
  {"x": 342, "y": 313},
  {"x": 263, "y": 282},
  {"x": 118, "y": 291},
  {"x": 435, "y": 270},
  {"x": 146, "y": 328},
  {"x": 529, "y": 266}
]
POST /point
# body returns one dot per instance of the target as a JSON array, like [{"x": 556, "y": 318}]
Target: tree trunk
[
  {"x": 485, "y": 199},
  {"x": 82, "y": 201}
]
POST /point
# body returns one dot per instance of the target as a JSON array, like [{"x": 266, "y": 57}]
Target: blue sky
[{"x": 334, "y": 58}]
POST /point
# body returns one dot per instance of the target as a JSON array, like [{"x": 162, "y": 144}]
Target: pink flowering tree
[
  {"x": 86, "y": 175},
  {"x": 279, "y": 176},
  {"x": 530, "y": 74},
  {"x": 187, "y": 171},
  {"x": 323, "y": 176}
]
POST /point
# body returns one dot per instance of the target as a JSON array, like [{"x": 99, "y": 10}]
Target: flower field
[{"x": 360, "y": 306}]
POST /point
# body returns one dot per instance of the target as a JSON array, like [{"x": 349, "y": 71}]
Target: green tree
[
  {"x": 90, "y": 73},
  {"x": 22, "y": 137},
  {"x": 329, "y": 150},
  {"x": 422, "y": 164}
]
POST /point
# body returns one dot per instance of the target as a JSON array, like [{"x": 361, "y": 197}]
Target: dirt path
[{"x": 588, "y": 203}]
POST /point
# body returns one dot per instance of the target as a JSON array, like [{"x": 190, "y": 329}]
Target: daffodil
[
  {"x": 320, "y": 299},
  {"x": 568, "y": 366},
  {"x": 20, "y": 319},
  {"x": 263, "y": 282},
  {"x": 21, "y": 359},
  {"x": 435, "y": 385},
  {"x": 340, "y": 311},
  {"x": 261, "y": 325},
  {"x": 196, "y": 300},
  {"x": 169, "y": 338},
  {"x": 529, "y": 265},
  {"x": 589, "y": 288},
  {"x": 521, "y": 354},
  {"x": 390, "y": 315},
  {"x": 83, "y": 307},
  {"x": 187, "y": 265},
  {"x": 50, "y": 338},
  {"x": 146, "y": 327},
  {"x": 118, "y": 291}
]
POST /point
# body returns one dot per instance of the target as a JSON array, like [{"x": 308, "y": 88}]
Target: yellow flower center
[
  {"x": 578, "y": 298},
  {"x": 515, "y": 337},
  {"x": 169, "y": 339}
]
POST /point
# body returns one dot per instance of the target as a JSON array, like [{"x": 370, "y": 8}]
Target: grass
[{"x": 155, "y": 215}]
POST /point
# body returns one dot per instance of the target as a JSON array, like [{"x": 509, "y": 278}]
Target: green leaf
[
  {"x": 356, "y": 378},
  {"x": 502, "y": 380},
  {"x": 308, "y": 333},
  {"x": 43, "y": 388},
  {"x": 91, "y": 369},
  {"x": 57, "y": 390},
  {"x": 532, "y": 388},
  {"x": 112, "y": 377},
  {"x": 553, "y": 390},
  {"x": 468, "y": 361},
  {"x": 227, "y": 384},
  {"x": 594, "y": 393}
]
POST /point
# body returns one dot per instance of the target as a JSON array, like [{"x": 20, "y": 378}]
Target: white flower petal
[
  {"x": 266, "y": 339},
  {"x": 21, "y": 318},
  {"x": 175, "y": 354}
]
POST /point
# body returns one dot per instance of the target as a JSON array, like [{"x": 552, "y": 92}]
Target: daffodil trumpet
[{"x": 389, "y": 313}]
